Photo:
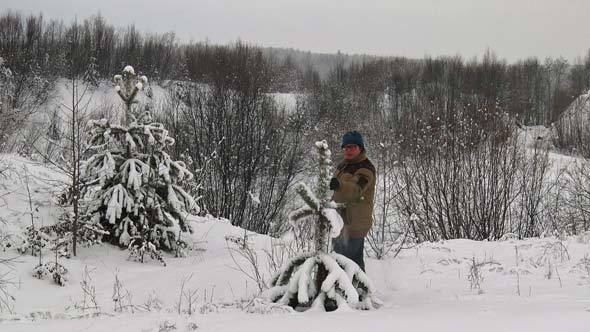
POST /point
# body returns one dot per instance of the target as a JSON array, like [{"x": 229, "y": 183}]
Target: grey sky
[{"x": 512, "y": 28}]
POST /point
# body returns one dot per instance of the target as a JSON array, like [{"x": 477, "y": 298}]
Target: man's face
[{"x": 351, "y": 151}]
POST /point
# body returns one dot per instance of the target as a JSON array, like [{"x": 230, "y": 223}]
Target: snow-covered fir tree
[
  {"x": 137, "y": 194},
  {"x": 322, "y": 280},
  {"x": 58, "y": 244}
]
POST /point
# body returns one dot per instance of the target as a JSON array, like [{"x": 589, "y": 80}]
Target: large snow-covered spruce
[
  {"x": 137, "y": 194},
  {"x": 322, "y": 280}
]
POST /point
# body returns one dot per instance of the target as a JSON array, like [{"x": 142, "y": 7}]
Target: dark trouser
[{"x": 351, "y": 248}]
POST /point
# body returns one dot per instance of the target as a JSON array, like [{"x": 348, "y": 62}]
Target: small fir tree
[
  {"x": 137, "y": 195},
  {"x": 320, "y": 279},
  {"x": 59, "y": 244}
]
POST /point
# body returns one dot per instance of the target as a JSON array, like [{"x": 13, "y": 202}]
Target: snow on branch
[
  {"x": 308, "y": 196},
  {"x": 336, "y": 222}
]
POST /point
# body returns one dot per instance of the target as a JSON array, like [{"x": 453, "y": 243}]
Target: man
[{"x": 354, "y": 185}]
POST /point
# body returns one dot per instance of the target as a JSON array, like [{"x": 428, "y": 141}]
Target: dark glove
[{"x": 334, "y": 184}]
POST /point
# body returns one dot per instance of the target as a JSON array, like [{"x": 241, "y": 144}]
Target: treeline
[
  {"x": 532, "y": 91},
  {"x": 536, "y": 91},
  {"x": 35, "y": 44}
]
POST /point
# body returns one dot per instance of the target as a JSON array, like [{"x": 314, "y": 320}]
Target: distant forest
[{"x": 534, "y": 90}]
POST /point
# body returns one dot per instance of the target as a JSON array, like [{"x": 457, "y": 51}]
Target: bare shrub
[
  {"x": 21, "y": 94},
  {"x": 533, "y": 202},
  {"x": 458, "y": 176},
  {"x": 574, "y": 214},
  {"x": 279, "y": 253},
  {"x": 246, "y": 260},
  {"x": 258, "y": 265},
  {"x": 240, "y": 144},
  {"x": 554, "y": 251},
  {"x": 88, "y": 302},
  {"x": 187, "y": 298},
  {"x": 122, "y": 298},
  {"x": 475, "y": 275},
  {"x": 152, "y": 303},
  {"x": 389, "y": 233},
  {"x": 7, "y": 284}
]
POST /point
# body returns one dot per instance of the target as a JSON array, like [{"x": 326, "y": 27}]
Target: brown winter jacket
[{"x": 357, "y": 191}]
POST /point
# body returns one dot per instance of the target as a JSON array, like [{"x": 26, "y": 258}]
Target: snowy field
[{"x": 460, "y": 285}]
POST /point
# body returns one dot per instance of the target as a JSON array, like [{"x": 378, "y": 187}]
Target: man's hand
[{"x": 334, "y": 184}]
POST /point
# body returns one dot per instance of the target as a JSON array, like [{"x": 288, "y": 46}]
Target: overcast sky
[{"x": 512, "y": 28}]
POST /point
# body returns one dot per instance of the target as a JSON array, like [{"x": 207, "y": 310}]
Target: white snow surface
[
  {"x": 287, "y": 101},
  {"x": 423, "y": 289},
  {"x": 43, "y": 184},
  {"x": 534, "y": 135},
  {"x": 102, "y": 98}
]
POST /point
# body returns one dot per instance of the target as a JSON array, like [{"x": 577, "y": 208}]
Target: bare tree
[{"x": 68, "y": 123}]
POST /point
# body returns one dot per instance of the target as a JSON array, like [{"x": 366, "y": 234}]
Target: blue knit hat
[{"x": 353, "y": 137}]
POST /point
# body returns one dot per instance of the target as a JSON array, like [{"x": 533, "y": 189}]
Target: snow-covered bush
[
  {"x": 136, "y": 193},
  {"x": 12, "y": 237},
  {"x": 325, "y": 281},
  {"x": 59, "y": 246},
  {"x": 36, "y": 239},
  {"x": 51, "y": 269},
  {"x": 139, "y": 247}
]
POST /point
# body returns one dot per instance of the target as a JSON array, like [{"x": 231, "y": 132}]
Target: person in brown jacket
[{"x": 354, "y": 185}]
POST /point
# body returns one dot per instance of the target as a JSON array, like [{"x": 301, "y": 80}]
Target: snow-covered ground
[
  {"x": 530, "y": 285},
  {"x": 24, "y": 179},
  {"x": 288, "y": 101}
]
